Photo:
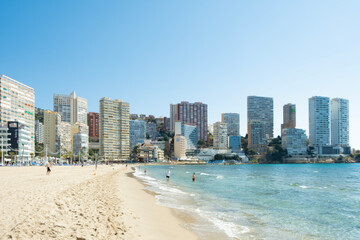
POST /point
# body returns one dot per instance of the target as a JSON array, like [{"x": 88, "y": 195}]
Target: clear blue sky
[{"x": 153, "y": 53}]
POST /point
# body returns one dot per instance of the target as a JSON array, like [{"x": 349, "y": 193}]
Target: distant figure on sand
[
  {"x": 168, "y": 174},
  {"x": 193, "y": 177},
  {"x": 48, "y": 170},
  {"x": 145, "y": 171}
]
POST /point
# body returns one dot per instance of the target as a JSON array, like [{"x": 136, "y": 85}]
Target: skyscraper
[
  {"x": 340, "y": 122},
  {"x": 71, "y": 108},
  {"x": 233, "y": 123},
  {"x": 261, "y": 109},
  {"x": 114, "y": 129},
  {"x": 220, "y": 135},
  {"x": 17, "y": 103},
  {"x": 289, "y": 116},
  {"x": 190, "y": 113},
  {"x": 93, "y": 124},
  {"x": 319, "y": 121}
]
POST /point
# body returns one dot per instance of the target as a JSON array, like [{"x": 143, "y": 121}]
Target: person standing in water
[
  {"x": 145, "y": 171},
  {"x": 193, "y": 177},
  {"x": 168, "y": 175}
]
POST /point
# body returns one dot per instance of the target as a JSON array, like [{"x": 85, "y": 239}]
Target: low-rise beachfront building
[
  {"x": 4, "y": 141},
  {"x": 80, "y": 144},
  {"x": 20, "y": 141},
  {"x": 150, "y": 153}
]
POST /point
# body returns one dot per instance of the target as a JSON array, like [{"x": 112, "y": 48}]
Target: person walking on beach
[
  {"x": 168, "y": 175},
  {"x": 48, "y": 170},
  {"x": 193, "y": 177}
]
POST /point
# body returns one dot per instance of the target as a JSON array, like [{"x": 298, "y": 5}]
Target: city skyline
[{"x": 304, "y": 54}]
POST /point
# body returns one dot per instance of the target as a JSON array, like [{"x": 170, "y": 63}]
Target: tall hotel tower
[
  {"x": 340, "y": 122},
  {"x": 319, "y": 121},
  {"x": 17, "y": 103},
  {"x": 114, "y": 129},
  {"x": 190, "y": 113},
  {"x": 261, "y": 109}
]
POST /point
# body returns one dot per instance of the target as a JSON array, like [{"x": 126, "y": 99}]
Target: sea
[{"x": 273, "y": 201}]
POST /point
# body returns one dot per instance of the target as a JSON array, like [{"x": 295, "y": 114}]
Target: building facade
[
  {"x": 319, "y": 122},
  {"x": 114, "y": 129},
  {"x": 233, "y": 123},
  {"x": 190, "y": 113},
  {"x": 257, "y": 135},
  {"x": 20, "y": 140},
  {"x": 261, "y": 109},
  {"x": 64, "y": 138},
  {"x": 80, "y": 143},
  {"x": 340, "y": 122},
  {"x": 189, "y": 132},
  {"x": 151, "y": 131},
  {"x": 180, "y": 146},
  {"x": 39, "y": 131},
  {"x": 71, "y": 108},
  {"x": 93, "y": 124},
  {"x": 294, "y": 141},
  {"x": 17, "y": 103},
  {"x": 137, "y": 133},
  {"x": 52, "y": 122},
  {"x": 220, "y": 135},
  {"x": 289, "y": 116},
  {"x": 234, "y": 143}
]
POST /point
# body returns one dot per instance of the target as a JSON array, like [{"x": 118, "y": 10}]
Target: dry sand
[{"x": 72, "y": 203}]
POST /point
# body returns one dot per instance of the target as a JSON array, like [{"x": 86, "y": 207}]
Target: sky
[{"x": 154, "y": 53}]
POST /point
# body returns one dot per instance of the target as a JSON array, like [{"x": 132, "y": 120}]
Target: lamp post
[{"x": 96, "y": 155}]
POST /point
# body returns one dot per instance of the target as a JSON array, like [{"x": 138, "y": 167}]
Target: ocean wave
[
  {"x": 219, "y": 177},
  {"x": 206, "y": 174},
  {"x": 302, "y": 186}
]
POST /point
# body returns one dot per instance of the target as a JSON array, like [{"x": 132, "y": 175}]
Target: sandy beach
[{"x": 73, "y": 203}]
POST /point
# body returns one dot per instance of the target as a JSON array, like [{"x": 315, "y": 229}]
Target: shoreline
[{"x": 73, "y": 203}]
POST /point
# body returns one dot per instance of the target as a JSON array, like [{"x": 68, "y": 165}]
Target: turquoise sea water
[{"x": 303, "y": 201}]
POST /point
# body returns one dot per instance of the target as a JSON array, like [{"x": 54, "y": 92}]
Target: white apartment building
[
  {"x": 39, "y": 131},
  {"x": 17, "y": 103},
  {"x": 319, "y": 121},
  {"x": 339, "y": 122}
]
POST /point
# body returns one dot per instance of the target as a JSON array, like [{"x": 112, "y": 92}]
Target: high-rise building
[
  {"x": 289, "y": 116},
  {"x": 340, "y": 122},
  {"x": 180, "y": 146},
  {"x": 220, "y": 135},
  {"x": 190, "y": 113},
  {"x": 4, "y": 141},
  {"x": 189, "y": 132},
  {"x": 319, "y": 122},
  {"x": 71, "y": 108},
  {"x": 17, "y": 103},
  {"x": 52, "y": 122},
  {"x": 114, "y": 129},
  {"x": 93, "y": 124},
  {"x": 294, "y": 141},
  {"x": 261, "y": 109},
  {"x": 233, "y": 123},
  {"x": 257, "y": 135},
  {"x": 137, "y": 133},
  {"x": 39, "y": 132}
]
